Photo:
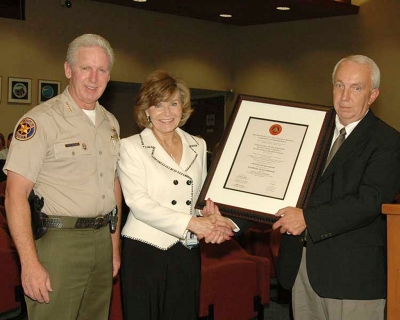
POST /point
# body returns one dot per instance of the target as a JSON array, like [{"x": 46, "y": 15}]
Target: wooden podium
[{"x": 393, "y": 249}]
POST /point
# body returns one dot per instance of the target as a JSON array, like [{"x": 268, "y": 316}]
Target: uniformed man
[{"x": 66, "y": 151}]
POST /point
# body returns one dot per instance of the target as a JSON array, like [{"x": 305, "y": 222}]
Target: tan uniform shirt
[{"x": 71, "y": 161}]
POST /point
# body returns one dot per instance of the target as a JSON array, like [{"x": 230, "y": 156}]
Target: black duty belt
[{"x": 77, "y": 223}]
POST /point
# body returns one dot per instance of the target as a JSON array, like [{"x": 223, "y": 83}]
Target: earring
[{"x": 148, "y": 119}]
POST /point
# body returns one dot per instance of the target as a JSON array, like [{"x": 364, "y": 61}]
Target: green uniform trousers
[{"x": 79, "y": 262}]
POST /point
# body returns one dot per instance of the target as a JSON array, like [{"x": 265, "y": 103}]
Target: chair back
[
  {"x": 2, "y": 197},
  {"x": 2, "y": 174}
]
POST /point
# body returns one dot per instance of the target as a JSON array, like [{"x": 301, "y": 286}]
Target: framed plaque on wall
[
  {"x": 48, "y": 89},
  {"x": 19, "y": 90}
]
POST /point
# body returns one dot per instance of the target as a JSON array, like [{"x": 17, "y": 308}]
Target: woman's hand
[{"x": 213, "y": 227}]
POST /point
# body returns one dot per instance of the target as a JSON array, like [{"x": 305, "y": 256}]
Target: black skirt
[{"x": 160, "y": 284}]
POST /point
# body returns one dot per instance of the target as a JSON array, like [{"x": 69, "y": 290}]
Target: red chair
[
  {"x": 2, "y": 197},
  {"x": 11, "y": 290},
  {"x": 116, "y": 301},
  {"x": 275, "y": 237},
  {"x": 261, "y": 240},
  {"x": 234, "y": 284},
  {"x": 3, "y": 185}
]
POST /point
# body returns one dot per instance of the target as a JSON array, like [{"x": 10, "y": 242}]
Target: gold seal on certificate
[{"x": 275, "y": 129}]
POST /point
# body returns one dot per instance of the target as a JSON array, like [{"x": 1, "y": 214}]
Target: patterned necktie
[{"x": 336, "y": 145}]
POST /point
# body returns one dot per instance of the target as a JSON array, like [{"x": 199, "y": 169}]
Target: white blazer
[{"x": 161, "y": 194}]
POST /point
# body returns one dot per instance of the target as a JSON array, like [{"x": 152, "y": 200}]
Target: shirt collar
[{"x": 349, "y": 128}]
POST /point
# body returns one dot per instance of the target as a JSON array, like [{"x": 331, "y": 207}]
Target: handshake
[{"x": 212, "y": 226}]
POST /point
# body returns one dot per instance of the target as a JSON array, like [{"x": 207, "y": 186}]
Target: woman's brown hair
[{"x": 161, "y": 86}]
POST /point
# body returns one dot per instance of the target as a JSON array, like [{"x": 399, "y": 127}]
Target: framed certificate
[{"x": 269, "y": 157}]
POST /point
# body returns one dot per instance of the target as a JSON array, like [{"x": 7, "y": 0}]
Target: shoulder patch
[{"x": 25, "y": 130}]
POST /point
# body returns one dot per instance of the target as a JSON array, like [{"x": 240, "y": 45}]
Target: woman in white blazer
[{"x": 161, "y": 171}]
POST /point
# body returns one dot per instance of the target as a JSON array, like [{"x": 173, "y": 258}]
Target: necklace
[{"x": 168, "y": 149}]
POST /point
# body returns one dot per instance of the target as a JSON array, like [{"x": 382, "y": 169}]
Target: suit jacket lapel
[
  {"x": 189, "y": 150},
  {"x": 360, "y": 135}
]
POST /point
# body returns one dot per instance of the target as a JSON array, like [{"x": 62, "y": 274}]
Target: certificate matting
[{"x": 269, "y": 157}]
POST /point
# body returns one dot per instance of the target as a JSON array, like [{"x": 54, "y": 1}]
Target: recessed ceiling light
[
  {"x": 283, "y": 8},
  {"x": 139, "y": 0},
  {"x": 225, "y": 15}
]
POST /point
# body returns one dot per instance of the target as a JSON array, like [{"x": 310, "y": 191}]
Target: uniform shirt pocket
[
  {"x": 71, "y": 150},
  {"x": 114, "y": 148}
]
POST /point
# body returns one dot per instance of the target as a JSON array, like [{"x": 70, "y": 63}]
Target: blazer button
[
  {"x": 173, "y": 202},
  {"x": 188, "y": 202},
  {"x": 188, "y": 182},
  {"x": 175, "y": 182}
]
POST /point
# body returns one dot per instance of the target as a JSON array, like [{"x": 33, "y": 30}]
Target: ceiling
[{"x": 245, "y": 12}]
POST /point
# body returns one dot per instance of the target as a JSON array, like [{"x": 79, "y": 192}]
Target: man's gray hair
[
  {"x": 89, "y": 41},
  {"x": 375, "y": 72}
]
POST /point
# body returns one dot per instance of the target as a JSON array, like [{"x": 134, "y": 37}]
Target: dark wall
[{"x": 206, "y": 121}]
